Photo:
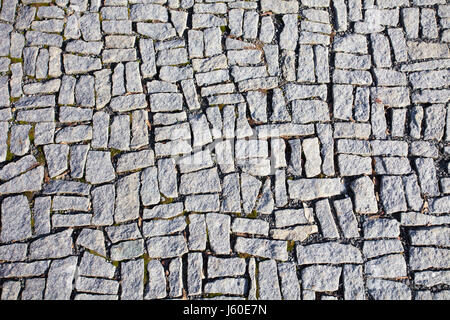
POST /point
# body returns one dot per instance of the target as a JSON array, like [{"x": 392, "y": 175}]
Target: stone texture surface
[{"x": 200, "y": 149}]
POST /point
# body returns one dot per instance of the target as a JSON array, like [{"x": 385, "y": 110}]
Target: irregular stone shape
[
  {"x": 163, "y": 227},
  {"x": 29, "y": 181},
  {"x": 427, "y": 176},
  {"x": 279, "y": 7},
  {"x": 290, "y": 217},
  {"x": 197, "y": 232},
  {"x": 84, "y": 91},
  {"x": 128, "y": 103},
  {"x": 103, "y": 205},
  {"x": 431, "y": 236},
  {"x": 156, "y": 31},
  {"x": 13, "y": 252},
  {"x": 424, "y": 149},
  {"x": 127, "y": 250},
  {"x": 435, "y": 122},
  {"x": 41, "y": 215},
  {"x": 225, "y": 267},
  {"x": 149, "y": 191},
  {"x": 313, "y": 161},
  {"x": 309, "y": 111},
  {"x": 232, "y": 286},
  {"x": 231, "y": 194},
  {"x": 326, "y": 220},
  {"x": 74, "y": 64},
  {"x": 392, "y": 165},
  {"x": 386, "y": 267},
  {"x": 353, "y": 282},
  {"x": 95, "y": 266},
  {"x": 351, "y": 61},
  {"x": 393, "y": 96},
  {"x": 166, "y": 247},
  {"x": 165, "y": 211},
  {"x": 99, "y": 168},
  {"x": 309, "y": 189},
  {"x": 328, "y": 253},
  {"x": 412, "y": 192},
  {"x": 280, "y": 191},
  {"x": 375, "y": 248},
  {"x": 200, "y": 131},
  {"x": 346, "y": 218},
  {"x": 167, "y": 178},
  {"x": 127, "y": 198},
  {"x": 418, "y": 50},
  {"x": 352, "y": 43},
  {"x": 132, "y": 280},
  {"x": 202, "y": 181},
  {"x": 13, "y": 169},
  {"x": 251, "y": 226},
  {"x": 290, "y": 285},
  {"x": 220, "y": 114},
  {"x": 93, "y": 240},
  {"x": 352, "y": 130},
  {"x": 431, "y": 278},
  {"x": 202, "y": 203},
  {"x": 135, "y": 160},
  {"x": 34, "y": 289},
  {"x": 157, "y": 280},
  {"x": 352, "y": 165},
  {"x": 160, "y": 102},
  {"x": 269, "y": 288},
  {"x": 59, "y": 280},
  {"x": 272, "y": 249},
  {"x": 218, "y": 226},
  {"x": 388, "y": 290},
  {"x": 365, "y": 201},
  {"x": 420, "y": 219},
  {"x": 16, "y": 219},
  {"x": 428, "y": 79},
  {"x": 120, "y": 133},
  {"x": 252, "y": 274},
  {"x": 77, "y": 161},
  {"x": 74, "y": 134},
  {"x": 57, "y": 245},
  {"x": 24, "y": 269},
  {"x": 195, "y": 273},
  {"x": 250, "y": 189},
  {"x": 265, "y": 203},
  {"x": 123, "y": 232},
  {"x": 10, "y": 290},
  {"x": 174, "y": 132},
  {"x": 440, "y": 205},
  {"x": 381, "y": 228},
  {"x": 96, "y": 285},
  {"x": 422, "y": 258},
  {"x": 392, "y": 194},
  {"x": 298, "y": 233},
  {"x": 66, "y": 187},
  {"x": 71, "y": 220},
  {"x": 141, "y": 12}
]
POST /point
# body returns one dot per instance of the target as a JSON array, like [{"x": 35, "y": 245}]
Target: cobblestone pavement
[{"x": 225, "y": 149}]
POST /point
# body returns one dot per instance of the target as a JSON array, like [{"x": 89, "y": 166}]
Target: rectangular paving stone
[
  {"x": 272, "y": 249},
  {"x": 315, "y": 188}
]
